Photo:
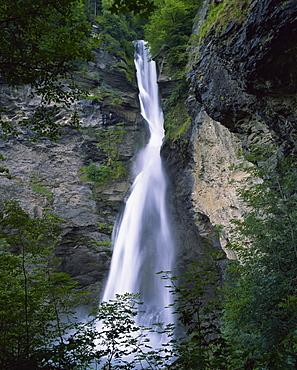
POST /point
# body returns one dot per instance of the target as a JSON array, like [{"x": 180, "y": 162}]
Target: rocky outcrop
[
  {"x": 243, "y": 93},
  {"x": 202, "y": 195},
  {"x": 245, "y": 76},
  {"x": 49, "y": 176}
]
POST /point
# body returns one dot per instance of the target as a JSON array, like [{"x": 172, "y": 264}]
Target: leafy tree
[
  {"x": 38, "y": 329},
  {"x": 94, "y": 7},
  {"x": 39, "y": 42},
  {"x": 141, "y": 7},
  {"x": 117, "y": 32},
  {"x": 260, "y": 311},
  {"x": 198, "y": 341},
  {"x": 113, "y": 340},
  {"x": 170, "y": 27},
  {"x": 34, "y": 294},
  {"x": 119, "y": 336}
]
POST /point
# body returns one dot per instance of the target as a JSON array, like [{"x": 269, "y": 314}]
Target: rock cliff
[
  {"x": 245, "y": 74},
  {"x": 243, "y": 92},
  {"x": 50, "y": 176}
]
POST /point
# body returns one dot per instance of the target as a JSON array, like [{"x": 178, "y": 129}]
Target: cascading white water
[{"x": 142, "y": 242}]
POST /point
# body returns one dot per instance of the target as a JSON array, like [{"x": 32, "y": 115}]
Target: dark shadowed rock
[{"x": 246, "y": 76}]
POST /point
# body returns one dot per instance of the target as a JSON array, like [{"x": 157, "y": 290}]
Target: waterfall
[{"x": 142, "y": 241}]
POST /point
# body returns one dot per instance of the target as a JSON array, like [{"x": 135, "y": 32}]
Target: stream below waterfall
[{"x": 142, "y": 241}]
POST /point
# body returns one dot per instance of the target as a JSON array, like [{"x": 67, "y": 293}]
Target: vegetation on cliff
[
  {"x": 258, "y": 327},
  {"x": 176, "y": 118},
  {"x": 169, "y": 29},
  {"x": 221, "y": 14},
  {"x": 109, "y": 140},
  {"x": 260, "y": 311},
  {"x": 39, "y": 42}
]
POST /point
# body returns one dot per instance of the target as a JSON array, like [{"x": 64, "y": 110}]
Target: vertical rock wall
[
  {"x": 243, "y": 93},
  {"x": 49, "y": 176}
]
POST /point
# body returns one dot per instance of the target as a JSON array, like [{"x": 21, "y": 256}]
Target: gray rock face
[
  {"x": 201, "y": 195},
  {"x": 246, "y": 76},
  {"x": 243, "y": 92},
  {"x": 48, "y": 175}
]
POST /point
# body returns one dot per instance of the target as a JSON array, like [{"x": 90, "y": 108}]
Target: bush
[
  {"x": 98, "y": 174},
  {"x": 170, "y": 27}
]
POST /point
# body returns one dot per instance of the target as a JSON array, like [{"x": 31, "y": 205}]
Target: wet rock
[
  {"x": 48, "y": 175},
  {"x": 245, "y": 77}
]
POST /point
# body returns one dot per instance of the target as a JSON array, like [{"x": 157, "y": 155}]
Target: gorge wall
[
  {"x": 243, "y": 76},
  {"x": 242, "y": 92},
  {"x": 50, "y": 176}
]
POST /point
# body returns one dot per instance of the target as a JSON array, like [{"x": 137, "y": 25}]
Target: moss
[
  {"x": 38, "y": 185},
  {"x": 177, "y": 122},
  {"x": 107, "y": 243},
  {"x": 109, "y": 140},
  {"x": 220, "y": 16},
  {"x": 177, "y": 119},
  {"x": 105, "y": 228},
  {"x": 109, "y": 96},
  {"x": 128, "y": 69}
]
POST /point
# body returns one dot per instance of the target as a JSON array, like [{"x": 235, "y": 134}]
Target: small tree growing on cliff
[
  {"x": 34, "y": 295},
  {"x": 260, "y": 311},
  {"x": 198, "y": 341}
]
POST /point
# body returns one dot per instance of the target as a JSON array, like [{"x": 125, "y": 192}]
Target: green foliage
[
  {"x": 117, "y": 32},
  {"x": 99, "y": 174},
  {"x": 4, "y": 171},
  {"x": 105, "y": 228},
  {"x": 39, "y": 41},
  {"x": 198, "y": 306},
  {"x": 176, "y": 119},
  {"x": 220, "y": 15},
  {"x": 120, "y": 342},
  {"x": 141, "y": 7},
  {"x": 38, "y": 185},
  {"x": 119, "y": 335},
  {"x": 109, "y": 140},
  {"x": 169, "y": 28},
  {"x": 260, "y": 315},
  {"x": 34, "y": 294},
  {"x": 94, "y": 7}
]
